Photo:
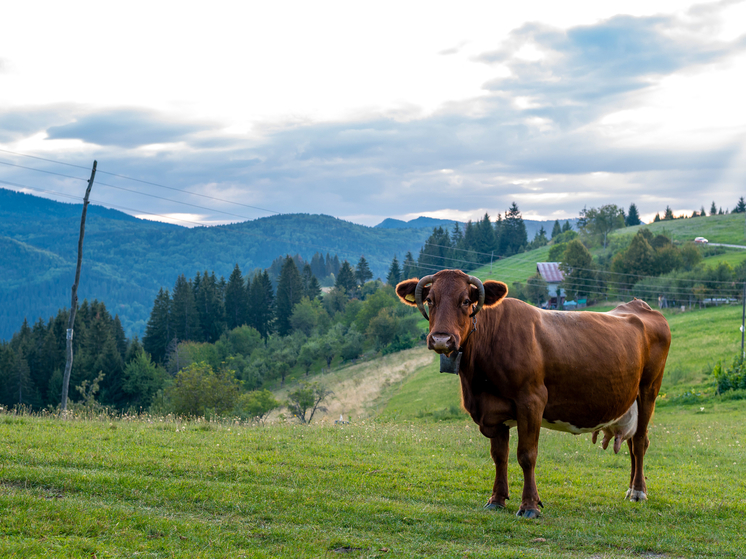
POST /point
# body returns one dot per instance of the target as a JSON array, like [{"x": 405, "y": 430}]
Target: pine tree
[
  {"x": 633, "y": 216},
  {"x": 261, "y": 298},
  {"x": 394, "y": 275},
  {"x": 557, "y": 229},
  {"x": 657, "y": 218},
  {"x": 236, "y": 300},
  {"x": 289, "y": 294},
  {"x": 362, "y": 271},
  {"x": 566, "y": 227},
  {"x": 740, "y": 206},
  {"x": 713, "y": 209},
  {"x": 668, "y": 214}
]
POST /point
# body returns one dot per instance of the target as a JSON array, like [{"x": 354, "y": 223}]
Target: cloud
[
  {"x": 127, "y": 128},
  {"x": 543, "y": 120}
]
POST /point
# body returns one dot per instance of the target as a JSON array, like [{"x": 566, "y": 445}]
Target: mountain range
[{"x": 126, "y": 260}]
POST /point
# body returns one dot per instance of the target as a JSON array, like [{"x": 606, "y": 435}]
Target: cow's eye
[{"x": 429, "y": 301}]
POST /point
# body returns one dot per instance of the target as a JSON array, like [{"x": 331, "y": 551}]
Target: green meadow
[
  {"x": 163, "y": 488},
  {"x": 408, "y": 481}
]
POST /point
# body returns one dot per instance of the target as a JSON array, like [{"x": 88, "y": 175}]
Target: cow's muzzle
[{"x": 442, "y": 343}]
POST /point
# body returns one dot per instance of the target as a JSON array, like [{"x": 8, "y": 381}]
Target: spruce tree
[
  {"x": 159, "y": 331},
  {"x": 311, "y": 287},
  {"x": 184, "y": 312},
  {"x": 713, "y": 209},
  {"x": 633, "y": 216},
  {"x": 346, "y": 279},
  {"x": 435, "y": 254},
  {"x": 566, "y": 227},
  {"x": 261, "y": 299},
  {"x": 362, "y": 271},
  {"x": 557, "y": 229},
  {"x": 668, "y": 214},
  {"x": 485, "y": 239},
  {"x": 740, "y": 206},
  {"x": 409, "y": 268},
  {"x": 289, "y": 294},
  {"x": 514, "y": 237},
  {"x": 210, "y": 308},
  {"x": 394, "y": 275},
  {"x": 236, "y": 300}
]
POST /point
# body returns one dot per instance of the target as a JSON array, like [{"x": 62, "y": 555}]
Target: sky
[{"x": 230, "y": 111}]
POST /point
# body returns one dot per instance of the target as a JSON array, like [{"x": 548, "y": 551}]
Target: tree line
[{"x": 211, "y": 345}]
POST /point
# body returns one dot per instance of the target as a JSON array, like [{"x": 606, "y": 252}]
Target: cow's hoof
[
  {"x": 528, "y": 513},
  {"x": 633, "y": 495},
  {"x": 493, "y": 506}
]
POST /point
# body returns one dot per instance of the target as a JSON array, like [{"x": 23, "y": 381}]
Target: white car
[{"x": 701, "y": 240}]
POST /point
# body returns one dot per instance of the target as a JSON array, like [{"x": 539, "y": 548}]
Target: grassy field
[
  {"x": 728, "y": 229},
  {"x": 113, "y": 488},
  {"x": 514, "y": 268}
]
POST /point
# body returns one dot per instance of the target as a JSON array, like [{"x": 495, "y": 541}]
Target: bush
[
  {"x": 198, "y": 391},
  {"x": 733, "y": 378}
]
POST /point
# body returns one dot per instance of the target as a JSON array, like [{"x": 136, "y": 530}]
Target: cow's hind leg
[
  {"x": 499, "y": 451},
  {"x": 639, "y": 443}
]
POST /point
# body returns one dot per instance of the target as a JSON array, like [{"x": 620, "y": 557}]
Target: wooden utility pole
[{"x": 74, "y": 304}]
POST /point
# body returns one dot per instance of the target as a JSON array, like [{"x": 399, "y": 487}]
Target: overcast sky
[{"x": 371, "y": 110}]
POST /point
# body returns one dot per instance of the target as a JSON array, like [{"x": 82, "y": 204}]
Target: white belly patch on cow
[{"x": 626, "y": 425}]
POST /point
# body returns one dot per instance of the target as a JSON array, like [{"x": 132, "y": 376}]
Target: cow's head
[{"x": 453, "y": 299}]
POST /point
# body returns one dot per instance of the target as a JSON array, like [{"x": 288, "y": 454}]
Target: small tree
[
  {"x": 740, "y": 206},
  {"x": 713, "y": 208},
  {"x": 198, "y": 390},
  {"x": 536, "y": 290},
  {"x": 256, "y": 404},
  {"x": 307, "y": 397}
]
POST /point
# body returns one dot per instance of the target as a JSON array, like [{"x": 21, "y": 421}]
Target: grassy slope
[
  {"x": 77, "y": 489},
  {"x": 727, "y": 229}
]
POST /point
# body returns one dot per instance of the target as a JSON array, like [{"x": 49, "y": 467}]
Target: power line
[{"x": 132, "y": 179}]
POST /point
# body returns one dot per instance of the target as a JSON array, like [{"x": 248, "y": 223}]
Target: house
[{"x": 551, "y": 273}]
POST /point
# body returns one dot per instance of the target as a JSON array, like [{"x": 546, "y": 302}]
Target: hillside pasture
[{"x": 154, "y": 487}]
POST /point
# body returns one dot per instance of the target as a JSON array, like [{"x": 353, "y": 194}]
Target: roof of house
[{"x": 550, "y": 271}]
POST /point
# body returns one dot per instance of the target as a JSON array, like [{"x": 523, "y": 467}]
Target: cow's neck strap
[{"x": 451, "y": 364}]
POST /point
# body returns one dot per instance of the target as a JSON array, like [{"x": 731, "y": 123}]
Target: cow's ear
[
  {"x": 405, "y": 291},
  {"x": 494, "y": 292}
]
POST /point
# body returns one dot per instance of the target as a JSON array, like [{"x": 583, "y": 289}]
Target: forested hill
[{"x": 126, "y": 260}]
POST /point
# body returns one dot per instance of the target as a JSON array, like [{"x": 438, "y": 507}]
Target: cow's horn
[
  {"x": 418, "y": 294},
  {"x": 478, "y": 284}
]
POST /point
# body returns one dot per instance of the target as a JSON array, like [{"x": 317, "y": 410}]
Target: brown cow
[{"x": 580, "y": 372}]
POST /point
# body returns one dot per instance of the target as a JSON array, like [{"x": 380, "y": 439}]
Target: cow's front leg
[
  {"x": 529, "y": 425},
  {"x": 499, "y": 451}
]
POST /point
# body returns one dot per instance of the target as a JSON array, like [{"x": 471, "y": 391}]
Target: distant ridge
[
  {"x": 418, "y": 223},
  {"x": 126, "y": 260}
]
